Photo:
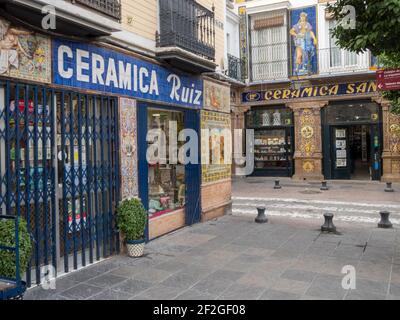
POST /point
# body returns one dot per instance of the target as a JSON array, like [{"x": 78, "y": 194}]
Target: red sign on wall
[{"x": 388, "y": 79}]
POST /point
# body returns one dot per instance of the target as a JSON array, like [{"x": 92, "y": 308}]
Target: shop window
[
  {"x": 273, "y": 140},
  {"x": 166, "y": 179},
  {"x": 353, "y": 112},
  {"x": 269, "y": 117}
]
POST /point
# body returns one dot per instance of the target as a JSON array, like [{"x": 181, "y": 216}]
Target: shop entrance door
[
  {"x": 352, "y": 140},
  {"x": 355, "y": 150}
]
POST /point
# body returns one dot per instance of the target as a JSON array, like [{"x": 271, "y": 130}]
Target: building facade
[
  {"x": 83, "y": 101},
  {"x": 314, "y": 108}
]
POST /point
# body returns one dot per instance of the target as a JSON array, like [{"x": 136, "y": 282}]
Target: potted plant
[
  {"x": 131, "y": 221},
  {"x": 8, "y": 268}
]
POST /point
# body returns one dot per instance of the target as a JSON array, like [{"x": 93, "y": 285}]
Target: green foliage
[
  {"x": 7, "y": 238},
  {"x": 377, "y": 29},
  {"x": 377, "y": 26},
  {"x": 131, "y": 219}
]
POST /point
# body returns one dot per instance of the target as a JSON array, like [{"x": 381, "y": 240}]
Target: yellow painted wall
[{"x": 143, "y": 17}]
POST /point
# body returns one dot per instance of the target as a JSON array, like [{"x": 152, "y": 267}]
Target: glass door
[
  {"x": 340, "y": 153},
  {"x": 376, "y": 151}
]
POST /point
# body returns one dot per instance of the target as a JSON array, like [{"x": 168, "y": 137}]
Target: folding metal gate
[{"x": 59, "y": 169}]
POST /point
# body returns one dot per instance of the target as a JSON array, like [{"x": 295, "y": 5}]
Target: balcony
[
  {"x": 235, "y": 68},
  {"x": 111, "y": 8},
  {"x": 269, "y": 62},
  {"x": 81, "y": 18},
  {"x": 338, "y": 61},
  {"x": 272, "y": 63},
  {"x": 187, "y": 35}
]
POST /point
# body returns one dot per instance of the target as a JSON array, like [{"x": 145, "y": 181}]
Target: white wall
[{"x": 232, "y": 27}]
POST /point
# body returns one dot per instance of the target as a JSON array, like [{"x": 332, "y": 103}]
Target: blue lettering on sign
[{"x": 86, "y": 66}]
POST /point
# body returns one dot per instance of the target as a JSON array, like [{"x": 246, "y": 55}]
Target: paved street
[
  {"x": 234, "y": 258},
  {"x": 355, "y": 201}
]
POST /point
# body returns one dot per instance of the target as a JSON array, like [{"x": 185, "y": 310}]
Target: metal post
[
  {"x": 324, "y": 186},
  {"x": 328, "y": 226},
  {"x": 261, "y": 217},
  {"x": 277, "y": 185},
  {"x": 389, "y": 187},
  {"x": 385, "y": 222}
]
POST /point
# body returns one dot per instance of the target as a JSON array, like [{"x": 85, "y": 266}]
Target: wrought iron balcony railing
[
  {"x": 110, "y": 8},
  {"x": 235, "y": 68},
  {"x": 187, "y": 25}
]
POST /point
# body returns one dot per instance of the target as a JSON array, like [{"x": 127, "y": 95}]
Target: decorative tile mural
[
  {"x": 216, "y": 97},
  {"x": 24, "y": 54},
  {"x": 128, "y": 148},
  {"x": 304, "y": 41},
  {"x": 215, "y": 146},
  {"x": 393, "y": 133}
]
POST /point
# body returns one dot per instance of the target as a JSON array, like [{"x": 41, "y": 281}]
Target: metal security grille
[
  {"x": 87, "y": 140},
  {"x": 59, "y": 170}
]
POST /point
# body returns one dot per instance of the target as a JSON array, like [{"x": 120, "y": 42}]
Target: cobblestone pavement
[
  {"x": 355, "y": 201},
  {"x": 235, "y": 258}
]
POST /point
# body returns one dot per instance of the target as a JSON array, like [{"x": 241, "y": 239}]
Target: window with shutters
[
  {"x": 334, "y": 59},
  {"x": 269, "y": 46}
]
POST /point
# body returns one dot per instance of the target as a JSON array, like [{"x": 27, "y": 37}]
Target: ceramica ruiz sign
[
  {"x": 310, "y": 92},
  {"x": 86, "y": 66}
]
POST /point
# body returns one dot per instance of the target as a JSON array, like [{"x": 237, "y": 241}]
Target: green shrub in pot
[
  {"x": 131, "y": 221},
  {"x": 7, "y": 239}
]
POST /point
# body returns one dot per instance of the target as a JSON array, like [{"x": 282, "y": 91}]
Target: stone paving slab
[{"x": 234, "y": 258}]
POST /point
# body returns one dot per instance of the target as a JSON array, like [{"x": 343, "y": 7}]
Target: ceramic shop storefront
[
  {"x": 339, "y": 130},
  {"x": 69, "y": 142},
  {"x": 164, "y": 103},
  {"x": 59, "y": 164}
]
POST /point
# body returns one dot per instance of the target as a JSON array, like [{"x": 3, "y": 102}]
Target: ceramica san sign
[
  {"x": 86, "y": 66},
  {"x": 342, "y": 89}
]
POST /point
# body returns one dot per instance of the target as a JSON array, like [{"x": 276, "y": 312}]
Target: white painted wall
[{"x": 232, "y": 28}]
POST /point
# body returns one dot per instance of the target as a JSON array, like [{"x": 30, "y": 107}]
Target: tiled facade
[{"x": 289, "y": 72}]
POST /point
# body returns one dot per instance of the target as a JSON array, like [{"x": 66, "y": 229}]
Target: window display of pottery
[
  {"x": 277, "y": 118},
  {"x": 266, "y": 119}
]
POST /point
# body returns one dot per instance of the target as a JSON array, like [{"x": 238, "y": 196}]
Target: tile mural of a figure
[
  {"x": 10, "y": 46},
  {"x": 24, "y": 54},
  {"x": 304, "y": 41}
]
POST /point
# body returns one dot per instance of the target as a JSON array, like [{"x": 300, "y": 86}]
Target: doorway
[
  {"x": 360, "y": 152},
  {"x": 352, "y": 141},
  {"x": 354, "y": 149}
]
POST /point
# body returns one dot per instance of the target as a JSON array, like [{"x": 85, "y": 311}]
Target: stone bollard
[
  {"x": 328, "y": 226},
  {"x": 261, "y": 217},
  {"x": 277, "y": 185},
  {"x": 385, "y": 222},
  {"x": 389, "y": 187},
  {"x": 324, "y": 186}
]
